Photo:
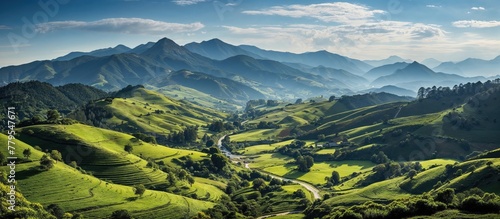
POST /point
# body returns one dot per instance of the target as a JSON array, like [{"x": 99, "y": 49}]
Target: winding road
[{"x": 233, "y": 157}]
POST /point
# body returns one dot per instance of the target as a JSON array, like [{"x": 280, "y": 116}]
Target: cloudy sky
[{"x": 448, "y": 30}]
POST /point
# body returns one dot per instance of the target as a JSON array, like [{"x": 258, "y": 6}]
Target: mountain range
[
  {"x": 244, "y": 72},
  {"x": 471, "y": 67}
]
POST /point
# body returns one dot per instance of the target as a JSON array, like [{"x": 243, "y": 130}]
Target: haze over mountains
[{"x": 241, "y": 73}]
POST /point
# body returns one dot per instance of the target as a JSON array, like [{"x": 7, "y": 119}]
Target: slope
[
  {"x": 136, "y": 109},
  {"x": 221, "y": 88},
  {"x": 34, "y": 98},
  {"x": 79, "y": 193},
  {"x": 217, "y": 49}
]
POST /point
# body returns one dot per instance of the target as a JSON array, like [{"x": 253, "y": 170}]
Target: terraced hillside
[
  {"x": 136, "y": 109},
  {"x": 94, "y": 198},
  {"x": 101, "y": 152}
]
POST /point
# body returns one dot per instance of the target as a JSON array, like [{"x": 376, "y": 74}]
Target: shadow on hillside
[
  {"x": 25, "y": 174},
  {"x": 294, "y": 174},
  {"x": 131, "y": 199}
]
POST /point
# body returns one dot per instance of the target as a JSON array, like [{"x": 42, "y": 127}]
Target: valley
[{"x": 214, "y": 130}]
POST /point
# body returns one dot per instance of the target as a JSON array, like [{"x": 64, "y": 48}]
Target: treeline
[
  {"x": 457, "y": 90},
  {"x": 472, "y": 201},
  {"x": 189, "y": 134},
  {"x": 35, "y": 98}
]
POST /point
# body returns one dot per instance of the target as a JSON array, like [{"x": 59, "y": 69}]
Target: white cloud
[
  {"x": 339, "y": 12},
  {"x": 187, "y": 2},
  {"x": 478, "y": 8},
  {"x": 433, "y": 6},
  {"x": 343, "y": 39},
  {"x": 476, "y": 24},
  {"x": 122, "y": 25}
]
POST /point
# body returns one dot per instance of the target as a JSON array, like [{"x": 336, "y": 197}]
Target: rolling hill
[
  {"x": 76, "y": 192},
  {"x": 136, "y": 109},
  {"x": 35, "y": 98},
  {"x": 218, "y": 87}
]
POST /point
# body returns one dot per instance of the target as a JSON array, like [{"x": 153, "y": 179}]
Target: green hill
[
  {"x": 94, "y": 198},
  {"x": 136, "y": 109},
  {"x": 35, "y": 98}
]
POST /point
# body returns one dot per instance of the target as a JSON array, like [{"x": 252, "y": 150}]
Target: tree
[
  {"x": 209, "y": 143},
  {"x": 445, "y": 196},
  {"x": 332, "y": 98},
  {"x": 121, "y": 214},
  {"x": 139, "y": 189},
  {"x": 171, "y": 179},
  {"x": 46, "y": 162},
  {"x": 129, "y": 148},
  {"x": 299, "y": 193},
  {"x": 52, "y": 115},
  {"x": 3, "y": 159},
  {"x": 258, "y": 183},
  {"x": 219, "y": 160},
  {"x": 56, "y": 155},
  {"x": 412, "y": 173},
  {"x": 489, "y": 163},
  {"x": 190, "y": 180},
  {"x": 309, "y": 161},
  {"x": 73, "y": 164},
  {"x": 27, "y": 153},
  {"x": 55, "y": 210},
  {"x": 321, "y": 137},
  {"x": 335, "y": 179},
  {"x": 298, "y": 101}
]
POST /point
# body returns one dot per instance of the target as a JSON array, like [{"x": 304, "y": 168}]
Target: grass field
[
  {"x": 326, "y": 151},
  {"x": 106, "y": 157},
  {"x": 256, "y": 149},
  {"x": 256, "y": 135},
  {"x": 77, "y": 192},
  {"x": 279, "y": 165}
]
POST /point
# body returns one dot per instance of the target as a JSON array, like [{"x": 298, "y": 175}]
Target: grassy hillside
[
  {"x": 101, "y": 152},
  {"x": 180, "y": 92},
  {"x": 135, "y": 109},
  {"x": 94, "y": 198}
]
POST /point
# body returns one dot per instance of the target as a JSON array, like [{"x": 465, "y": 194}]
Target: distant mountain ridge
[
  {"x": 314, "y": 59},
  {"x": 471, "y": 67},
  {"x": 387, "y": 61},
  {"x": 416, "y": 72},
  {"x": 217, "y": 49},
  {"x": 218, "y": 87},
  {"x": 97, "y": 53}
]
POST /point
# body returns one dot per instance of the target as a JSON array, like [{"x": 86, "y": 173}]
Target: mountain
[
  {"x": 384, "y": 70},
  {"x": 141, "y": 48},
  {"x": 35, "y": 98},
  {"x": 98, "y": 53},
  {"x": 217, "y": 49},
  {"x": 340, "y": 76},
  {"x": 313, "y": 59},
  {"x": 415, "y": 75},
  {"x": 392, "y": 90},
  {"x": 387, "y": 61},
  {"x": 272, "y": 76},
  {"x": 170, "y": 55},
  {"x": 431, "y": 62},
  {"x": 218, "y": 87},
  {"x": 471, "y": 67},
  {"x": 108, "y": 72}
]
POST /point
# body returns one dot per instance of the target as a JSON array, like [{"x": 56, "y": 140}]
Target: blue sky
[{"x": 365, "y": 29}]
